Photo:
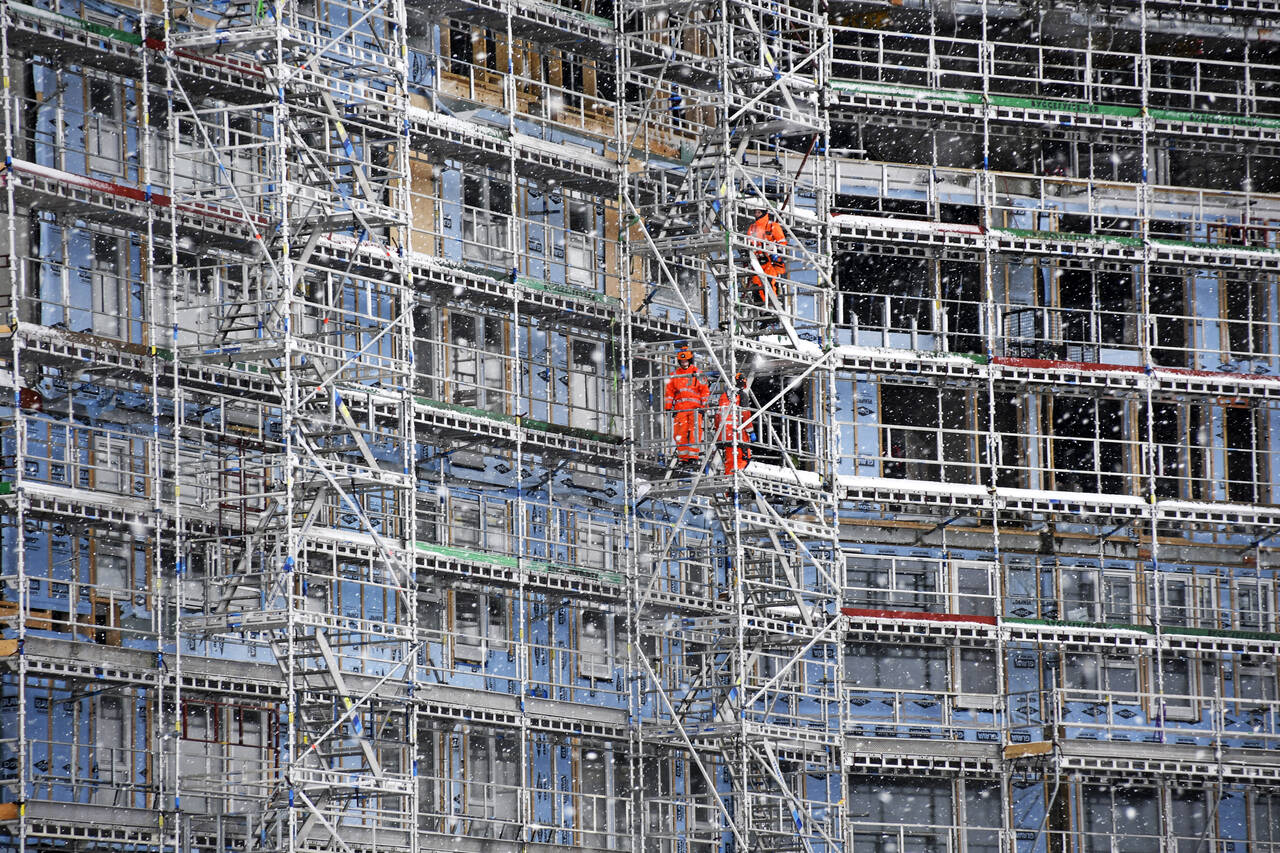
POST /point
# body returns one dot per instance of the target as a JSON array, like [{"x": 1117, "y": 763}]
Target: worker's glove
[{"x": 746, "y": 452}]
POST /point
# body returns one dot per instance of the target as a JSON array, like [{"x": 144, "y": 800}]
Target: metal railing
[{"x": 1060, "y": 73}]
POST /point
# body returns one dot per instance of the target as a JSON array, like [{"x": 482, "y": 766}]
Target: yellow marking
[{"x": 1018, "y": 750}]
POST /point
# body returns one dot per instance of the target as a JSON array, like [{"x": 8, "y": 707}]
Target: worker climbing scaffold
[
  {"x": 733, "y": 421},
  {"x": 768, "y": 241},
  {"x": 686, "y": 395}
]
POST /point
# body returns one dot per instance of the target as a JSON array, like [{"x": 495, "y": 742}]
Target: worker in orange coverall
[
  {"x": 686, "y": 395},
  {"x": 731, "y": 421},
  {"x": 767, "y": 240}
]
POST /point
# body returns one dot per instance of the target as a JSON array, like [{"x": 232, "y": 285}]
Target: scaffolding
[
  {"x": 332, "y": 447},
  {"x": 730, "y": 92},
  {"x": 343, "y": 510}
]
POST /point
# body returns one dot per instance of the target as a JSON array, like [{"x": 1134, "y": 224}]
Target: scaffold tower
[
  {"x": 316, "y": 180},
  {"x": 725, "y": 124}
]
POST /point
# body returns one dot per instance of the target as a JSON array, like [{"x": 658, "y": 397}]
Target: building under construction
[{"x": 341, "y": 505}]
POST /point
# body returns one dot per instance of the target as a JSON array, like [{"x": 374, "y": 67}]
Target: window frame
[
  {"x": 1085, "y": 574},
  {"x": 988, "y": 602},
  {"x": 935, "y": 665},
  {"x": 1264, "y": 670},
  {"x": 589, "y": 668},
  {"x": 491, "y": 635},
  {"x": 1190, "y": 712},
  {"x": 1106, "y": 667},
  {"x": 1271, "y": 803},
  {"x": 1261, "y": 617},
  {"x": 961, "y": 660}
]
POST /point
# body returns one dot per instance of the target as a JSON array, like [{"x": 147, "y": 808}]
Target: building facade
[{"x": 341, "y": 505}]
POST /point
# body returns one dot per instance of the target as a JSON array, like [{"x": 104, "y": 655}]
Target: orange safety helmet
[{"x": 685, "y": 354}]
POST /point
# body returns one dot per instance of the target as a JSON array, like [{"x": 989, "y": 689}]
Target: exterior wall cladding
[{"x": 342, "y": 510}]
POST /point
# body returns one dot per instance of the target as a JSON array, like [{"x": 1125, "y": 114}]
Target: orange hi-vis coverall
[
  {"x": 768, "y": 241},
  {"x": 686, "y": 395},
  {"x": 731, "y": 420}
]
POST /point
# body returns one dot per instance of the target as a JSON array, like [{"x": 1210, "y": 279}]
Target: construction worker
[
  {"x": 686, "y": 395},
  {"x": 731, "y": 422},
  {"x": 767, "y": 240}
]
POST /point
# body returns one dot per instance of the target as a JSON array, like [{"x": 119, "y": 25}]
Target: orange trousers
[
  {"x": 771, "y": 272},
  {"x": 687, "y": 432},
  {"x": 735, "y": 460}
]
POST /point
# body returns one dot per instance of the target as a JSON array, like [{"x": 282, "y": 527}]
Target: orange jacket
[
  {"x": 685, "y": 391},
  {"x": 730, "y": 418},
  {"x": 767, "y": 236}
]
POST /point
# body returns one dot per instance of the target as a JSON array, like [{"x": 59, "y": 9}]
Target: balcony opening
[
  {"x": 1169, "y": 307},
  {"x": 1246, "y": 464},
  {"x": 1086, "y": 444}
]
